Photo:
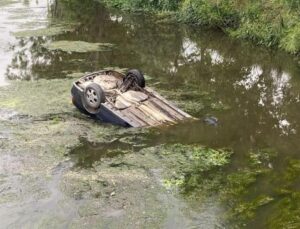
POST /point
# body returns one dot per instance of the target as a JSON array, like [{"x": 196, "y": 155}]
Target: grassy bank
[{"x": 273, "y": 23}]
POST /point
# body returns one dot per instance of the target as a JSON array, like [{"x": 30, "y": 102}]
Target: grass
[{"x": 273, "y": 23}]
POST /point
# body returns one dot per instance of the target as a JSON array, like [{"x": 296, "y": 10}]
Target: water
[{"x": 252, "y": 91}]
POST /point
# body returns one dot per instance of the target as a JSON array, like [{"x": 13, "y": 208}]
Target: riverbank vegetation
[{"x": 274, "y": 23}]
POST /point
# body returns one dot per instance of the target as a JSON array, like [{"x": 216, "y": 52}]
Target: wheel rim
[{"x": 92, "y": 97}]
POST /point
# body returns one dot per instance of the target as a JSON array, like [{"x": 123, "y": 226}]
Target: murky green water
[{"x": 61, "y": 169}]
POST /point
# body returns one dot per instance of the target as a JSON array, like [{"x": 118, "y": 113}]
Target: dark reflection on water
[
  {"x": 261, "y": 87},
  {"x": 86, "y": 154}
]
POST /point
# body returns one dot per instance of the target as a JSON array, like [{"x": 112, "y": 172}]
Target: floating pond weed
[
  {"x": 262, "y": 157},
  {"x": 51, "y": 31},
  {"x": 285, "y": 213},
  {"x": 193, "y": 158},
  {"x": 79, "y": 46},
  {"x": 246, "y": 210}
]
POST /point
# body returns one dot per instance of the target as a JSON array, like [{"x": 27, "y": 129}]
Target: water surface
[{"x": 252, "y": 91}]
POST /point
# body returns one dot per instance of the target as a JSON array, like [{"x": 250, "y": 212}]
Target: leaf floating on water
[{"x": 79, "y": 46}]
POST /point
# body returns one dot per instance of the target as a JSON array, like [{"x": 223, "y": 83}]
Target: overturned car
[{"x": 123, "y": 99}]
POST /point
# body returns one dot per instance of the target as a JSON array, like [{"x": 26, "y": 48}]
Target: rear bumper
[{"x": 76, "y": 98}]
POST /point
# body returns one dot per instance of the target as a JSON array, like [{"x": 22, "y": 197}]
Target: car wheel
[
  {"x": 93, "y": 96},
  {"x": 138, "y": 76}
]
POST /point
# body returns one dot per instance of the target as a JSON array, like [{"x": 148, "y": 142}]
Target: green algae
[
  {"x": 246, "y": 210},
  {"x": 134, "y": 140},
  {"x": 238, "y": 183},
  {"x": 262, "y": 157},
  {"x": 292, "y": 173},
  {"x": 219, "y": 106},
  {"x": 38, "y": 98},
  {"x": 118, "y": 69},
  {"x": 135, "y": 177},
  {"x": 6, "y": 198},
  {"x": 13, "y": 103},
  {"x": 286, "y": 213},
  {"x": 79, "y": 46},
  {"x": 51, "y": 31},
  {"x": 179, "y": 162},
  {"x": 180, "y": 159},
  {"x": 89, "y": 209},
  {"x": 42, "y": 147},
  {"x": 207, "y": 175},
  {"x": 200, "y": 161},
  {"x": 75, "y": 75},
  {"x": 49, "y": 221},
  {"x": 115, "y": 191},
  {"x": 173, "y": 182}
]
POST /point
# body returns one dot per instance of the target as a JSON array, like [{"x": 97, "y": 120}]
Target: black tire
[
  {"x": 138, "y": 75},
  {"x": 93, "y": 96}
]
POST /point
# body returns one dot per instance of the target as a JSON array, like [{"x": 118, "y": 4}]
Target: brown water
[{"x": 252, "y": 91}]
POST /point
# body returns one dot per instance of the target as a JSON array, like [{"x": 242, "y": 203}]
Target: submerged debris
[{"x": 212, "y": 121}]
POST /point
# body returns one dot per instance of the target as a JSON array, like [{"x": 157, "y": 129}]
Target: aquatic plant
[
  {"x": 208, "y": 175},
  {"x": 78, "y": 46},
  {"x": 193, "y": 158},
  {"x": 286, "y": 212},
  {"x": 51, "y": 31}
]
